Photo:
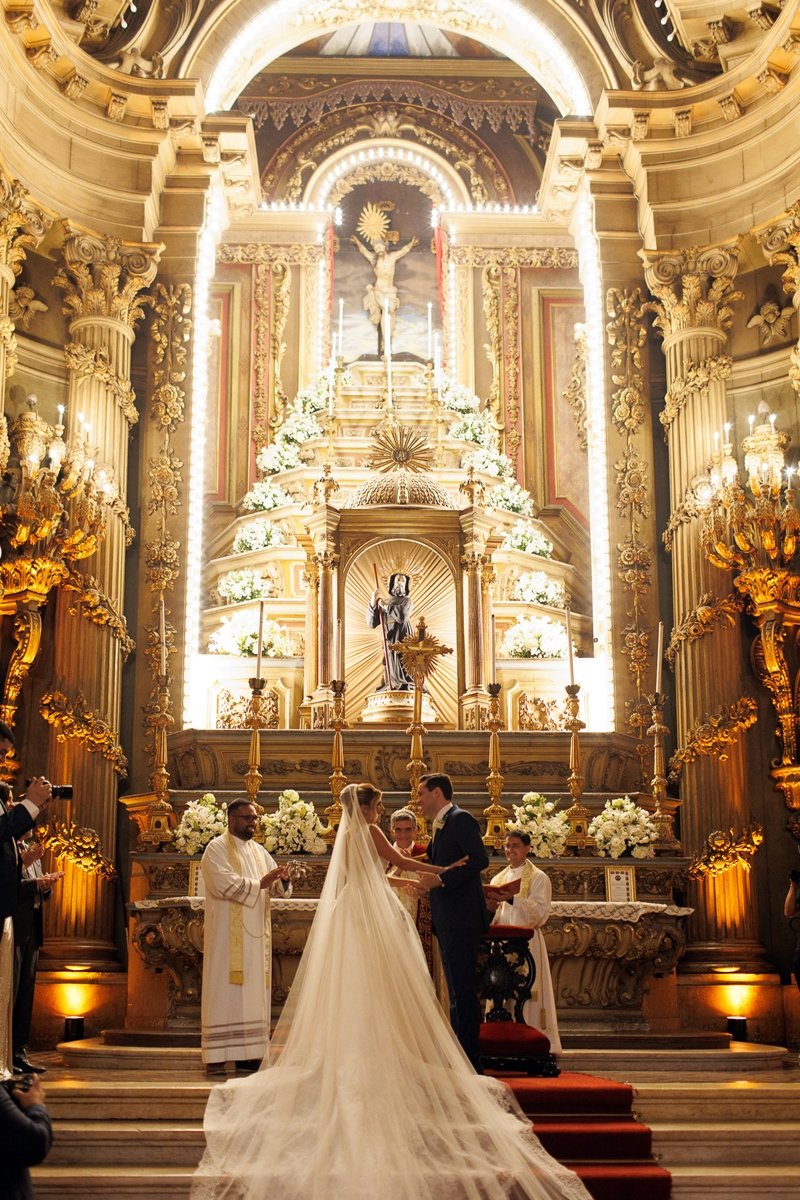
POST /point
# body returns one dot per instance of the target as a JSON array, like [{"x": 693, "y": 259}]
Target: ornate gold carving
[
  {"x": 27, "y": 638},
  {"x": 511, "y": 364},
  {"x": 79, "y": 845},
  {"x": 693, "y": 287},
  {"x": 86, "y": 361},
  {"x": 710, "y": 612},
  {"x": 535, "y": 715},
  {"x": 711, "y": 735},
  {"x": 724, "y": 850},
  {"x": 491, "y": 280},
  {"x": 103, "y": 276},
  {"x": 281, "y": 292},
  {"x": 731, "y": 106},
  {"x": 302, "y": 254},
  {"x": 117, "y": 106},
  {"x": 23, "y": 224},
  {"x": 23, "y": 305},
  {"x": 74, "y": 86},
  {"x": 575, "y": 391},
  {"x": 683, "y": 122},
  {"x": 387, "y": 170},
  {"x": 93, "y": 604},
  {"x": 772, "y": 322},
  {"x": 542, "y": 257},
  {"x": 627, "y": 334},
  {"x": 234, "y": 711},
  {"x": 780, "y": 241},
  {"x": 77, "y": 722},
  {"x": 687, "y": 510},
  {"x": 697, "y": 377}
]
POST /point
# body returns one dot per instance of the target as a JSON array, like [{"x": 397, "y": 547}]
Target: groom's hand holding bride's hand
[
  {"x": 428, "y": 881},
  {"x": 271, "y": 877}
]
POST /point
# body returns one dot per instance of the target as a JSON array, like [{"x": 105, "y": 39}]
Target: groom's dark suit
[{"x": 458, "y": 910}]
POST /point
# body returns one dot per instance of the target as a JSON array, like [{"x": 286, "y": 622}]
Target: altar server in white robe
[
  {"x": 531, "y": 907},
  {"x": 238, "y": 877}
]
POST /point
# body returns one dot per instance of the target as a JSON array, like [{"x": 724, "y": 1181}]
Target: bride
[{"x": 367, "y": 1095}]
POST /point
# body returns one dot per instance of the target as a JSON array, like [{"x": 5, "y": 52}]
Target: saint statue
[
  {"x": 394, "y": 617},
  {"x": 383, "y": 262}
]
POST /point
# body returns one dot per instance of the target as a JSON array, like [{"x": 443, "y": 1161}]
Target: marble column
[
  {"x": 22, "y": 226},
  {"x": 694, "y": 291},
  {"x": 102, "y": 279}
]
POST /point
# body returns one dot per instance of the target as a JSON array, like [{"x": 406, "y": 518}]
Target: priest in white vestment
[
  {"x": 238, "y": 878},
  {"x": 529, "y": 906}
]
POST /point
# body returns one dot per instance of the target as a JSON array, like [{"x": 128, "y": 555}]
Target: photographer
[
  {"x": 25, "y": 1138},
  {"x": 791, "y": 908}
]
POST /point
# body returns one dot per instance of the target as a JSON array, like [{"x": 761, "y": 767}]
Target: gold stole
[{"x": 236, "y": 925}]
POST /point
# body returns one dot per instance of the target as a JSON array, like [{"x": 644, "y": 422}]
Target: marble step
[
  {"x": 720, "y": 1142},
  {"x": 739, "y": 1060},
  {"x": 128, "y": 1099},
  {"x": 123, "y": 1183},
  {"x": 93, "y": 1054},
  {"x": 127, "y": 1143},
  {"x": 734, "y": 1100},
  {"x": 734, "y": 1181}
]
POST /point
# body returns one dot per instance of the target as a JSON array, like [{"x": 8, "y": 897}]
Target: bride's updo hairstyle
[{"x": 363, "y": 794}]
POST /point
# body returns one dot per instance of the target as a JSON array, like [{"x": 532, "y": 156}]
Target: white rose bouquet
[
  {"x": 246, "y": 584},
  {"x": 202, "y": 820},
  {"x": 526, "y": 537},
  {"x": 265, "y": 495},
  {"x": 489, "y": 462},
  {"x": 548, "y": 829},
  {"x": 534, "y": 587},
  {"x": 534, "y": 637},
  {"x": 294, "y": 829},
  {"x": 238, "y": 634},
  {"x": 257, "y": 535},
  {"x": 622, "y": 826}
]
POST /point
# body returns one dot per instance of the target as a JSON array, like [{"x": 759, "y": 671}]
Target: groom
[{"x": 458, "y": 907}]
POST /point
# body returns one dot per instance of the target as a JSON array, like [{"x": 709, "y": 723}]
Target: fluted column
[
  {"x": 326, "y": 564},
  {"x": 311, "y": 580},
  {"x": 22, "y": 226},
  {"x": 694, "y": 290},
  {"x": 473, "y": 564},
  {"x": 102, "y": 278}
]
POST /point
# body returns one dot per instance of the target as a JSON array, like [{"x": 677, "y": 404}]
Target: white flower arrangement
[
  {"x": 621, "y": 826},
  {"x": 294, "y": 829},
  {"x": 548, "y": 829},
  {"x": 526, "y": 537},
  {"x": 457, "y": 398},
  {"x": 534, "y": 587},
  {"x": 279, "y": 456},
  {"x": 201, "y": 821},
  {"x": 238, "y": 634},
  {"x": 534, "y": 637},
  {"x": 245, "y": 584},
  {"x": 476, "y": 427},
  {"x": 299, "y": 427},
  {"x": 257, "y": 535},
  {"x": 512, "y": 497},
  {"x": 489, "y": 462},
  {"x": 265, "y": 495}
]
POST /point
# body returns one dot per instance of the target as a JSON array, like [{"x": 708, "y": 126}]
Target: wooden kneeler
[{"x": 506, "y": 975}]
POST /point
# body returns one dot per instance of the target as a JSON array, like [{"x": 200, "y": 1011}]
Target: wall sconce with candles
[{"x": 752, "y": 529}]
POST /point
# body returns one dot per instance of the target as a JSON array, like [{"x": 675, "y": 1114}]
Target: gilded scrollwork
[
  {"x": 95, "y": 362},
  {"x": 693, "y": 287},
  {"x": 511, "y": 361},
  {"x": 302, "y": 254},
  {"x": 698, "y": 376},
  {"x": 537, "y": 715},
  {"x": 710, "y": 612},
  {"x": 542, "y": 257},
  {"x": 93, "y": 604},
  {"x": 27, "y": 630},
  {"x": 77, "y": 722},
  {"x": 23, "y": 223},
  {"x": 104, "y": 276},
  {"x": 726, "y": 849},
  {"x": 491, "y": 280},
  {"x": 575, "y": 391},
  {"x": 235, "y": 711},
  {"x": 281, "y": 294},
  {"x": 80, "y": 845},
  {"x": 711, "y": 735},
  {"x": 387, "y": 170}
]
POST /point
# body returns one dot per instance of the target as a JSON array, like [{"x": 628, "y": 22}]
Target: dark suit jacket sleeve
[
  {"x": 25, "y": 1137},
  {"x": 466, "y": 832},
  {"x": 15, "y": 823}
]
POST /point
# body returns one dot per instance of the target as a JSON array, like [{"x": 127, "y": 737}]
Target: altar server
[
  {"x": 529, "y": 906},
  {"x": 238, "y": 878}
]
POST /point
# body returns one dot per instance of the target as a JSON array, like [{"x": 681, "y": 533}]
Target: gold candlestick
[
  {"x": 337, "y": 777},
  {"x": 253, "y": 779},
  {"x": 160, "y": 814},
  {"x": 577, "y": 814},
  {"x": 496, "y": 815},
  {"x": 662, "y": 817}
]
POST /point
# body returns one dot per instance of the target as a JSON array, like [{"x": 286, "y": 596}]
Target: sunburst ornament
[
  {"x": 373, "y": 224},
  {"x": 400, "y": 447}
]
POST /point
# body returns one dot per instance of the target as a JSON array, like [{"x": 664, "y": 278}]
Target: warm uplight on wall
[{"x": 73, "y": 999}]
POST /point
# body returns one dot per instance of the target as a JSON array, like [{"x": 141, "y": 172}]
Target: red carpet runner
[{"x": 587, "y": 1124}]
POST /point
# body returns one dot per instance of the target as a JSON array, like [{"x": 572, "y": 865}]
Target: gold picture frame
[{"x": 620, "y": 884}]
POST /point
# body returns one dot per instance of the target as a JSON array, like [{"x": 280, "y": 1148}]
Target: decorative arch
[{"x": 385, "y": 158}]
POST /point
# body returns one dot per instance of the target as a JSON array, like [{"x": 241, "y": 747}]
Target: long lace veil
[{"x": 367, "y": 1095}]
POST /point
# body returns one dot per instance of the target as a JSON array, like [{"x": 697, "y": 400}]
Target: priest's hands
[{"x": 271, "y": 877}]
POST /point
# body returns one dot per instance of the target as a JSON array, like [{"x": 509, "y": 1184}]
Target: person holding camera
[
  {"x": 14, "y": 823},
  {"x": 26, "y": 1136},
  {"x": 791, "y": 908}
]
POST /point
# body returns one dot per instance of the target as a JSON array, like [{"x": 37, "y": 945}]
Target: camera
[
  {"x": 62, "y": 791},
  {"x": 794, "y": 876},
  {"x": 18, "y": 1083}
]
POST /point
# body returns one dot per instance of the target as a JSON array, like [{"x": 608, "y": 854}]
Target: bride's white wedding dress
[{"x": 368, "y": 1095}]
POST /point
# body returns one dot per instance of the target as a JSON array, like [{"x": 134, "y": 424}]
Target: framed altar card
[
  {"x": 195, "y": 877},
  {"x": 620, "y": 884}
]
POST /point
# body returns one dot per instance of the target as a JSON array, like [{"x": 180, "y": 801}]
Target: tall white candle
[
  {"x": 341, "y": 324},
  {"x": 430, "y": 330},
  {"x": 659, "y": 656},
  {"x": 494, "y": 649},
  {"x": 569, "y": 648},
  {"x": 162, "y": 636},
  {"x": 260, "y": 637},
  {"x": 437, "y": 369},
  {"x": 387, "y": 347},
  {"x": 337, "y": 651}
]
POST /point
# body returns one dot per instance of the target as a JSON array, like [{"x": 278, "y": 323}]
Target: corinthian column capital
[
  {"x": 23, "y": 223},
  {"x": 780, "y": 241},
  {"x": 103, "y": 276},
  {"x": 693, "y": 287}
]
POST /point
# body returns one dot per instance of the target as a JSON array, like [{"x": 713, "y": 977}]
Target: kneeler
[{"x": 506, "y": 975}]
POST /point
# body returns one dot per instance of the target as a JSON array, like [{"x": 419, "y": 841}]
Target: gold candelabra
[
  {"x": 496, "y": 815},
  {"x": 255, "y": 720},
  {"x": 337, "y": 777},
  {"x": 160, "y": 814},
  {"x": 662, "y": 817},
  {"x": 54, "y": 505},
  {"x": 419, "y": 652},
  {"x": 752, "y": 530},
  {"x": 577, "y": 814}
]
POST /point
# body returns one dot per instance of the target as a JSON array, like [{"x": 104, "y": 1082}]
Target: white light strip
[
  {"x": 492, "y": 206},
  {"x": 321, "y": 313},
  {"x": 284, "y": 206},
  {"x": 603, "y": 707},
  {"x": 452, "y": 363},
  {"x": 504, "y": 25},
  {"x": 358, "y": 158},
  {"x": 202, "y": 335}
]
